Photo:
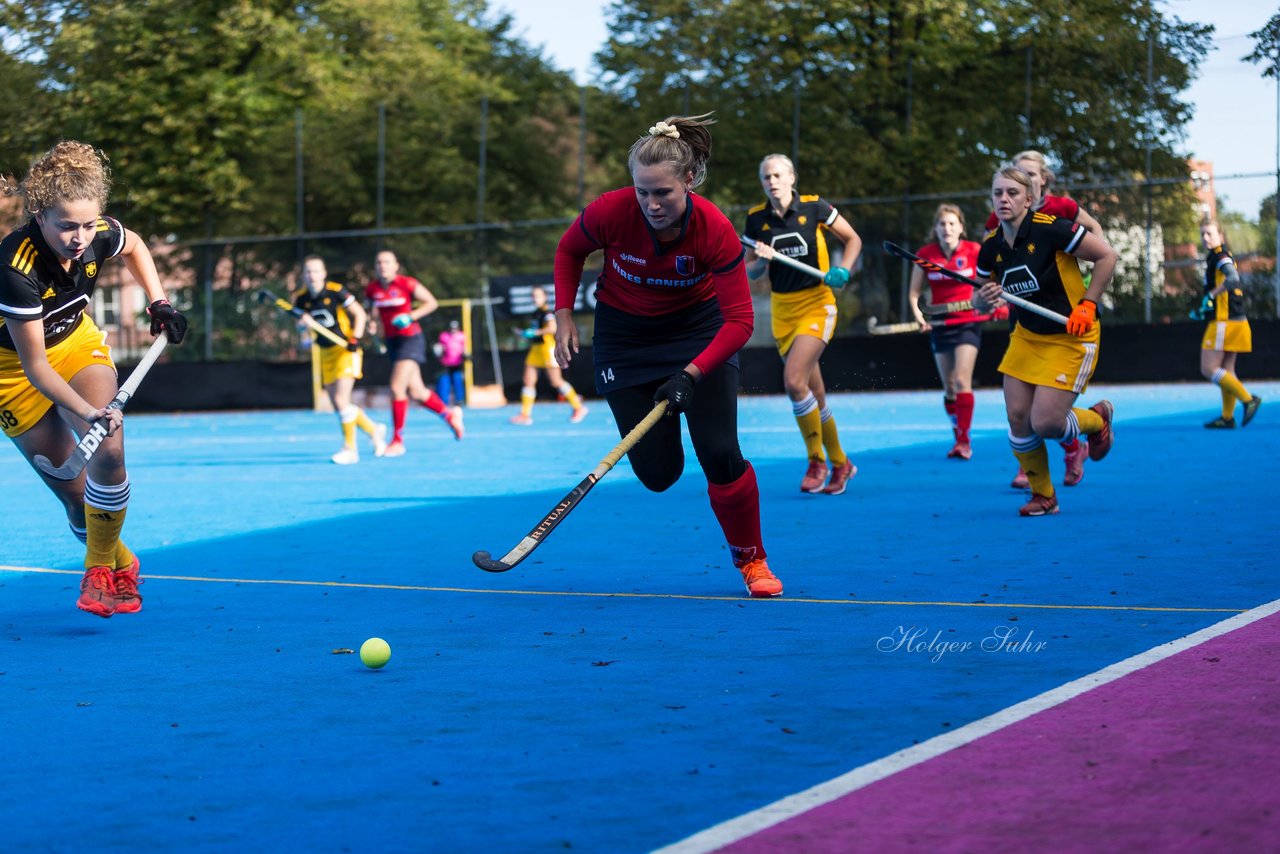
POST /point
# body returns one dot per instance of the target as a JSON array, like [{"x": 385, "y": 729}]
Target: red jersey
[
  {"x": 942, "y": 288},
  {"x": 1059, "y": 206},
  {"x": 645, "y": 277},
  {"x": 393, "y": 298}
]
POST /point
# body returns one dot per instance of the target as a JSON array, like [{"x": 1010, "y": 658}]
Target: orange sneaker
[
  {"x": 815, "y": 478},
  {"x": 453, "y": 417},
  {"x": 1100, "y": 442},
  {"x": 521, "y": 419},
  {"x": 578, "y": 414},
  {"x": 1020, "y": 480},
  {"x": 1074, "y": 460},
  {"x": 761, "y": 583},
  {"x": 840, "y": 476},
  {"x": 128, "y": 599},
  {"x": 961, "y": 451},
  {"x": 98, "y": 591},
  {"x": 1040, "y": 505}
]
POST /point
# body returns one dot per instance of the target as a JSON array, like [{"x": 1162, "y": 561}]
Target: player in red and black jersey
[
  {"x": 803, "y": 307},
  {"x": 1228, "y": 333},
  {"x": 956, "y": 337},
  {"x": 55, "y": 363},
  {"x": 673, "y": 309},
  {"x": 401, "y": 301},
  {"x": 1033, "y": 256}
]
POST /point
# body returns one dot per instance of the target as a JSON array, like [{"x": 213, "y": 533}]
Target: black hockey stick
[
  {"x": 548, "y": 524},
  {"x": 894, "y": 249},
  {"x": 92, "y": 439}
]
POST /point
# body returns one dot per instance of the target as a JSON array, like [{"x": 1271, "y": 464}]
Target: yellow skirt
[
  {"x": 541, "y": 354},
  {"x": 811, "y": 311},
  {"x": 338, "y": 362},
  {"x": 1057, "y": 361},
  {"x": 1229, "y": 336},
  {"x": 21, "y": 404}
]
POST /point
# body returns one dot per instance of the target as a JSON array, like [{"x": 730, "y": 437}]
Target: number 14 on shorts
[{"x": 606, "y": 376}]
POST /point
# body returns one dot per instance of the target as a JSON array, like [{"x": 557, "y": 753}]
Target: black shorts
[
  {"x": 944, "y": 339},
  {"x": 630, "y": 349},
  {"x": 403, "y": 347}
]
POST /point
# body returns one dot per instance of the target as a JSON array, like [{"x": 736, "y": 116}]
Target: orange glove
[{"x": 1082, "y": 319}]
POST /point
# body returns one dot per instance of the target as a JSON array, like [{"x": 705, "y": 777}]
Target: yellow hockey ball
[{"x": 375, "y": 652}]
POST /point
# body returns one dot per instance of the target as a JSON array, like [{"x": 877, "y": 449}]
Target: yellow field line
[{"x": 588, "y": 594}]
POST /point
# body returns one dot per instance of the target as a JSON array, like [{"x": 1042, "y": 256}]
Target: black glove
[
  {"x": 353, "y": 345},
  {"x": 677, "y": 392},
  {"x": 166, "y": 318}
]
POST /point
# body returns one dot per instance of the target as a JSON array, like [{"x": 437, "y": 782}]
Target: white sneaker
[
  {"x": 346, "y": 457},
  {"x": 578, "y": 414},
  {"x": 379, "y": 440}
]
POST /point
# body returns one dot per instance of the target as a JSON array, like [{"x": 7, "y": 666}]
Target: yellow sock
[
  {"x": 1228, "y": 405},
  {"x": 1229, "y": 382},
  {"x": 570, "y": 395},
  {"x": 811, "y": 429},
  {"x": 105, "y": 506},
  {"x": 1089, "y": 421},
  {"x": 527, "y": 397},
  {"x": 124, "y": 555},
  {"x": 1036, "y": 465},
  {"x": 831, "y": 441},
  {"x": 364, "y": 422},
  {"x": 349, "y": 434}
]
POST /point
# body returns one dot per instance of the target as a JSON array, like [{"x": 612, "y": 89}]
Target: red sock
[
  {"x": 399, "y": 409},
  {"x": 737, "y": 506},
  {"x": 1073, "y": 445},
  {"x": 964, "y": 415},
  {"x": 433, "y": 402}
]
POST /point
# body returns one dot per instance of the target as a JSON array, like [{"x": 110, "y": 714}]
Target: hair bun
[{"x": 664, "y": 129}]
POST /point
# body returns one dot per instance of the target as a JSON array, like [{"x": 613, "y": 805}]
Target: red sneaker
[
  {"x": 1020, "y": 480},
  {"x": 815, "y": 478},
  {"x": 840, "y": 476},
  {"x": 98, "y": 592},
  {"x": 761, "y": 583},
  {"x": 1040, "y": 505},
  {"x": 961, "y": 451},
  {"x": 1074, "y": 459},
  {"x": 128, "y": 599},
  {"x": 1100, "y": 442}
]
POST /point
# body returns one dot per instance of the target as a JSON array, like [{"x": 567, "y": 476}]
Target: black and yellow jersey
[
  {"x": 800, "y": 233},
  {"x": 328, "y": 308},
  {"x": 1038, "y": 268},
  {"x": 1230, "y": 304},
  {"x": 542, "y": 317},
  {"x": 34, "y": 286}
]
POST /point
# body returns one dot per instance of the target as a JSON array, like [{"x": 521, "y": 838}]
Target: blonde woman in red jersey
[
  {"x": 956, "y": 339},
  {"x": 672, "y": 310}
]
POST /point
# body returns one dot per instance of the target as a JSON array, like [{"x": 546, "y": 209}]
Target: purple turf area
[{"x": 1179, "y": 756}]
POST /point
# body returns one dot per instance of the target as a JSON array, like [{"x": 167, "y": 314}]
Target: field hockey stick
[
  {"x": 946, "y": 307},
  {"x": 894, "y": 249},
  {"x": 265, "y": 296},
  {"x": 790, "y": 262},
  {"x": 92, "y": 439},
  {"x": 891, "y": 328},
  {"x": 548, "y": 524}
]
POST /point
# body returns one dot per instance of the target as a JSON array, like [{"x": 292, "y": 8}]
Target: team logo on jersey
[
  {"x": 91, "y": 269},
  {"x": 802, "y": 219},
  {"x": 684, "y": 265},
  {"x": 960, "y": 263},
  {"x": 1020, "y": 281},
  {"x": 1031, "y": 248}
]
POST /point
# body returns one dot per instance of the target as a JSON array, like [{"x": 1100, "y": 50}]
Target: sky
[{"x": 1235, "y": 117}]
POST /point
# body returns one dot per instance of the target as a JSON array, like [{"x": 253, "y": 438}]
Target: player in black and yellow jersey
[
  {"x": 1033, "y": 256},
  {"x": 335, "y": 308},
  {"x": 1228, "y": 332},
  {"x": 55, "y": 365},
  {"x": 803, "y": 307},
  {"x": 541, "y": 334}
]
